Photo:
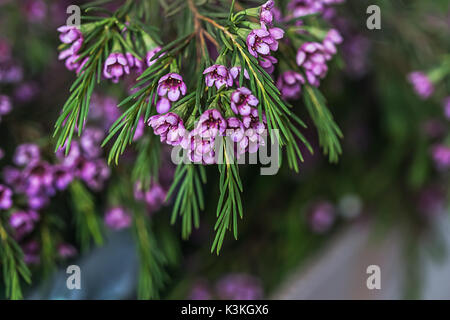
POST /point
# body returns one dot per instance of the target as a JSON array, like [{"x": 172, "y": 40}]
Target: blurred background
[{"x": 309, "y": 235}]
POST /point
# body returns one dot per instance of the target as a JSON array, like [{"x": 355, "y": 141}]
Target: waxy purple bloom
[
  {"x": 5, "y": 197},
  {"x": 312, "y": 58},
  {"x": 117, "y": 218},
  {"x": 268, "y": 63},
  {"x": 235, "y": 73},
  {"x": 210, "y": 124},
  {"x": 262, "y": 41},
  {"x": 169, "y": 127},
  {"x": 239, "y": 287},
  {"x": 300, "y": 8},
  {"x": 421, "y": 83},
  {"x": 218, "y": 75},
  {"x": 235, "y": 129},
  {"x": 321, "y": 217},
  {"x": 23, "y": 222},
  {"x": 170, "y": 88},
  {"x": 290, "y": 84},
  {"x": 69, "y": 34},
  {"x": 116, "y": 66},
  {"x": 5, "y": 105},
  {"x": 25, "y": 153},
  {"x": 266, "y": 15},
  {"x": 135, "y": 63},
  {"x": 242, "y": 100},
  {"x": 200, "y": 149},
  {"x": 150, "y": 56},
  {"x": 255, "y": 130}
]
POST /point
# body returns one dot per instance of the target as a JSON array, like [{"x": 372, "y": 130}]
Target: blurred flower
[
  {"x": 38, "y": 177},
  {"x": 66, "y": 250},
  {"x": 35, "y": 10},
  {"x": 300, "y": 8},
  {"x": 321, "y": 217},
  {"x": 431, "y": 201},
  {"x": 441, "y": 156},
  {"x": 23, "y": 222},
  {"x": 117, "y": 218},
  {"x": 31, "y": 252},
  {"x": 200, "y": 291},
  {"x": 26, "y": 91},
  {"x": 10, "y": 72},
  {"x": 239, "y": 287},
  {"x": 311, "y": 57},
  {"x": 268, "y": 63},
  {"x": 421, "y": 83},
  {"x": 446, "y": 105},
  {"x": 5, "y": 105},
  {"x": 5, "y": 197},
  {"x": 62, "y": 177},
  {"x": 91, "y": 141},
  {"x": 25, "y": 153}
]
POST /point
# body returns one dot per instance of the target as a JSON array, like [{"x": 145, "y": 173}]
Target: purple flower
[
  {"x": 150, "y": 56},
  {"x": 23, "y": 222},
  {"x": 441, "y": 156},
  {"x": 255, "y": 130},
  {"x": 5, "y": 197},
  {"x": 321, "y": 217},
  {"x": 235, "y": 73},
  {"x": 446, "y": 105},
  {"x": 10, "y": 72},
  {"x": 5, "y": 105},
  {"x": 266, "y": 15},
  {"x": 69, "y": 34},
  {"x": 242, "y": 100},
  {"x": 170, "y": 88},
  {"x": 421, "y": 83},
  {"x": 38, "y": 177},
  {"x": 300, "y": 8},
  {"x": 169, "y": 126},
  {"x": 312, "y": 58},
  {"x": 31, "y": 252},
  {"x": 218, "y": 75},
  {"x": 262, "y": 41},
  {"x": 135, "y": 63},
  {"x": 66, "y": 250},
  {"x": 155, "y": 197},
  {"x": 117, "y": 218},
  {"x": 290, "y": 84},
  {"x": 235, "y": 129},
  {"x": 26, "y": 91},
  {"x": 37, "y": 201},
  {"x": 98, "y": 172},
  {"x": 200, "y": 291},
  {"x": 210, "y": 124},
  {"x": 200, "y": 149},
  {"x": 13, "y": 177},
  {"x": 268, "y": 63},
  {"x": 239, "y": 287},
  {"x": 332, "y": 38},
  {"x": 116, "y": 66},
  {"x": 25, "y": 153},
  {"x": 35, "y": 10},
  {"x": 90, "y": 142},
  {"x": 62, "y": 177}
]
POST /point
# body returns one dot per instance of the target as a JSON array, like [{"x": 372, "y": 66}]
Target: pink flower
[
  {"x": 290, "y": 84},
  {"x": 422, "y": 84},
  {"x": 69, "y": 34},
  {"x": 312, "y": 58},
  {"x": 210, "y": 124},
  {"x": 5, "y": 197},
  {"x": 262, "y": 41},
  {"x": 116, "y": 66},
  {"x": 169, "y": 127},
  {"x": 150, "y": 56},
  {"x": 242, "y": 100},
  {"x": 218, "y": 75},
  {"x": 170, "y": 88},
  {"x": 117, "y": 218}
]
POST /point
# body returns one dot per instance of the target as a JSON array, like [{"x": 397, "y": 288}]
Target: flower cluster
[
  {"x": 261, "y": 42},
  {"x": 234, "y": 286},
  {"x": 72, "y": 37},
  {"x": 313, "y": 56}
]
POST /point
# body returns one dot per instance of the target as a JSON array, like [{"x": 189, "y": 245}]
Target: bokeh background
[{"x": 309, "y": 235}]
